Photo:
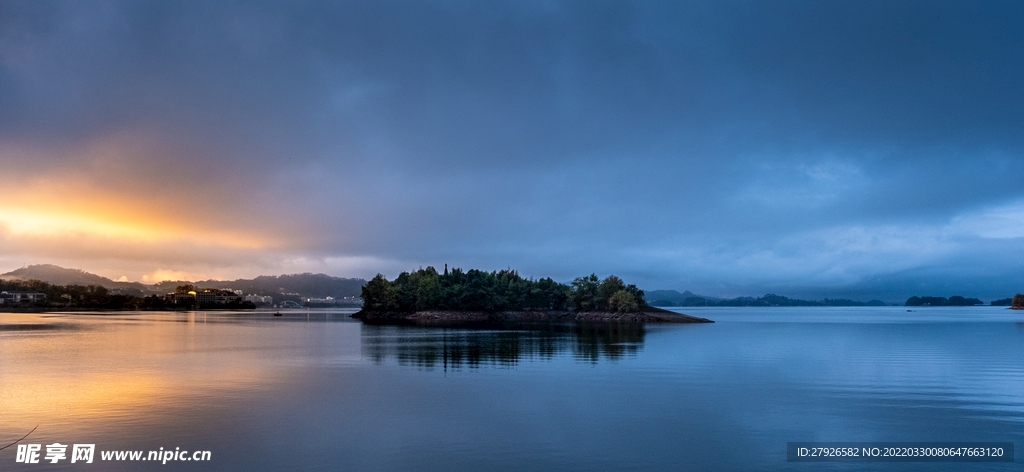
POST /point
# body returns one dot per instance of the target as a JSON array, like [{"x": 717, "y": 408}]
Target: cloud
[
  {"x": 814, "y": 145},
  {"x": 1001, "y": 222},
  {"x": 161, "y": 275}
]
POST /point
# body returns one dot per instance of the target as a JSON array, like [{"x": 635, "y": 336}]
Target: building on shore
[
  {"x": 259, "y": 299},
  {"x": 21, "y": 297},
  {"x": 181, "y": 298},
  {"x": 203, "y": 297},
  {"x": 333, "y": 301},
  {"x": 213, "y": 296}
]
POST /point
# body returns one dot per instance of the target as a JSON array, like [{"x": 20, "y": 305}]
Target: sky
[{"x": 813, "y": 149}]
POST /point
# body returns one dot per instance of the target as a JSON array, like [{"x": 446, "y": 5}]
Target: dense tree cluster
[
  {"x": 505, "y": 290},
  {"x": 955, "y": 300},
  {"x": 96, "y": 297},
  {"x": 71, "y": 296}
]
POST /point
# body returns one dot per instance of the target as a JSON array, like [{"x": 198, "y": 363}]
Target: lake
[{"x": 317, "y": 391}]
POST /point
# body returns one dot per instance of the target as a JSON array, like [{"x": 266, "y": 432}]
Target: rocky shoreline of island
[{"x": 647, "y": 315}]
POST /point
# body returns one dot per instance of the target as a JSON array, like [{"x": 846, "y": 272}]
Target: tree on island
[
  {"x": 623, "y": 302},
  {"x": 505, "y": 290},
  {"x": 1018, "y": 302}
]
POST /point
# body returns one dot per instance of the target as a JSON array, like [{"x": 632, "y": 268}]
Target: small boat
[{"x": 277, "y": 314}]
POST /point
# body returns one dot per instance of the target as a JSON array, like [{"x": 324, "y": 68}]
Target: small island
[{"x": 427, "y": 296}]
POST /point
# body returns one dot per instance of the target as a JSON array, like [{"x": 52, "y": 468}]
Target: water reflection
[
  {"x": 96, "y": 373},
  {"x": 504, "y": 344},
  {"x": 274, "y": 393},
  {"x": 19, "y": 327}
]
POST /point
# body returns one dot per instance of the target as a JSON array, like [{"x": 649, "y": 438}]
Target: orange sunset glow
[
  {"x": 53, "y": 208},
  {"x": 78, "y": 219}
]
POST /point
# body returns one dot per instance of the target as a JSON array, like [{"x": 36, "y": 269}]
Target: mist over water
[{"x": 317, "y": 391}]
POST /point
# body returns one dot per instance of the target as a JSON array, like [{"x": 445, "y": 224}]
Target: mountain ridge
[
  {"x": 305, "y": 284},
  {"x": 673, "y": 296}
]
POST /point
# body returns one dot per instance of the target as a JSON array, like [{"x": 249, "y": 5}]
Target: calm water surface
[{"x": 318, "y": 391}]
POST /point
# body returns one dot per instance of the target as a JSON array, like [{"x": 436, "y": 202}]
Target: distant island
[
  {"x": 1016, "y": 303},
  {"x": 672, "y": 298},
  {"x": 669, "y": 298},
  {"x": 955, "y": 300},
  {"x": 474, "y": 295}
]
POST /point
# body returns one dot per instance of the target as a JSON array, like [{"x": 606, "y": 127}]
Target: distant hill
[
  {"x": 57, "y": 275},
  {"x": 955, "y": 300},
  {"x": 674, "y": 298},
  {"x": 664, "y": 298},
  {"x": 779, "y": 300},
  {"x": 306, "y": 285}
]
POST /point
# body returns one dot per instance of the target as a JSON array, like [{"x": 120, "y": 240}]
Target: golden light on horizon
[
  {"x": 115, "y": 221},
  {"x": 75, "y": 210},
  {"x": 36, "y": 222}
]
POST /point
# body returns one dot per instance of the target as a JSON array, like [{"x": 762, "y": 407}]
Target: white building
[
  {"x": 21, "y": 297},
  {"x": 260, "y": 299}
]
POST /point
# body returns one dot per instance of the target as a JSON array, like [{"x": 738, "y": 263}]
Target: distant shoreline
[
  {"x": 117, "y": 310},
  {"x": 647, "y": 315}
]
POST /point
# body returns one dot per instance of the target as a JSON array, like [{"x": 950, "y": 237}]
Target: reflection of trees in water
[{"x": 502, "y": 345}]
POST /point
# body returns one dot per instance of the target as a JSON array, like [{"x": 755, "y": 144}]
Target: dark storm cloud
[{"x": 705, "y": 144}]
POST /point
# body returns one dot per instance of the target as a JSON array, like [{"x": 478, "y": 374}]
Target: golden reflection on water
[{"x": 71, "y": 372}]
